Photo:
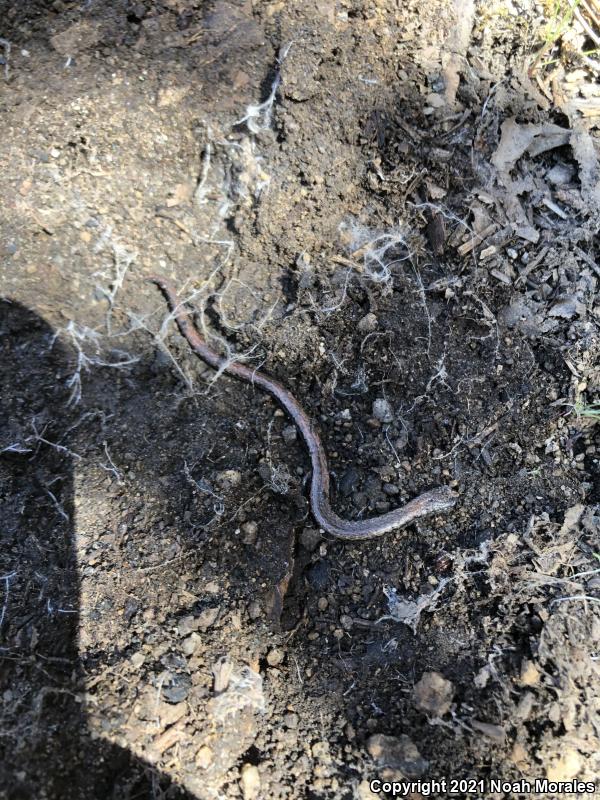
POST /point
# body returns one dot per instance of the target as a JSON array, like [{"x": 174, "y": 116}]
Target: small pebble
[
  {"x": 137, "y": 659},
  {"x": 290, "y": 720},
  {"x": 250, "y": 781},
  {"x": 249, "y": 532},
  {"x": 176, "y": 687},
  {"x": 204, "y": 757},
  {"x": 229, "y": 478},
  {"x": 208, "y": 617},
  {"x": 189, "y": 645},
  {"x": 275, "y": 657},
  {"x": 187, "y": 625},
  {"x": 382, "y": 410},
  {"x": 368, "y": 323},
  {"x": 254, "y": 610},
  {"x": 346, "y": 622},
  {"x": 433, "y": 694}
]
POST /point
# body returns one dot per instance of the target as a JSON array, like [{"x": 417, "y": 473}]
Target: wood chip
[
  {"x": 501, "y": 276},
  {"x": 475, "y": 241}
]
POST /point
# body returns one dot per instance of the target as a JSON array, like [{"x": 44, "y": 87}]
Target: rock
[
  {"x": 250, "y": 781},
  {"x": 176, "y": 687},
  {"x": 320, "y": 751},
  {"x": 238, "y": 689},
  {"x": 318, "y": 575},
  {"x": 190, "y": 644},
  {"x": 435, "y": 100},
  {"x": 249, "y": 532},
  {"x": 208, "y": 617},
  {"x": 346, "y": 622},
  {"x": 229, "y": 478},
  {"x": 77, "y": 37},
  {"x": 519, "y": 756},
  {"x": 204, "y": 757},
  {"x": 397, "y": 752},
  {"x": 567, "y": 308},
  {"x": 254, "y": 610},
  {"x": 565, "y": 767},
  {"x": 433, "y": 694},
  {"x": 187, "y": 625},
  {"x": 131, "y": 608},
  {"x": 138, "y": 11},
  {"x": 137, "y": 659},
  {"x": 275, "y": 657},
  {"x": 382, "y": 410},
  {"x": 368, "y": 323},
  {"x": 309, "y": 539},
  {"x": 530, "y": 674}
]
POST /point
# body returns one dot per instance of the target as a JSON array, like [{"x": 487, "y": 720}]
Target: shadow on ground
[{"x": 46, "y": 748}]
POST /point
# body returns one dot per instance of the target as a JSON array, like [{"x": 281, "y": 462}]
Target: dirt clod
[
  {"x": 397, "y": 753},
  {"x": 433, "y": 694}
]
